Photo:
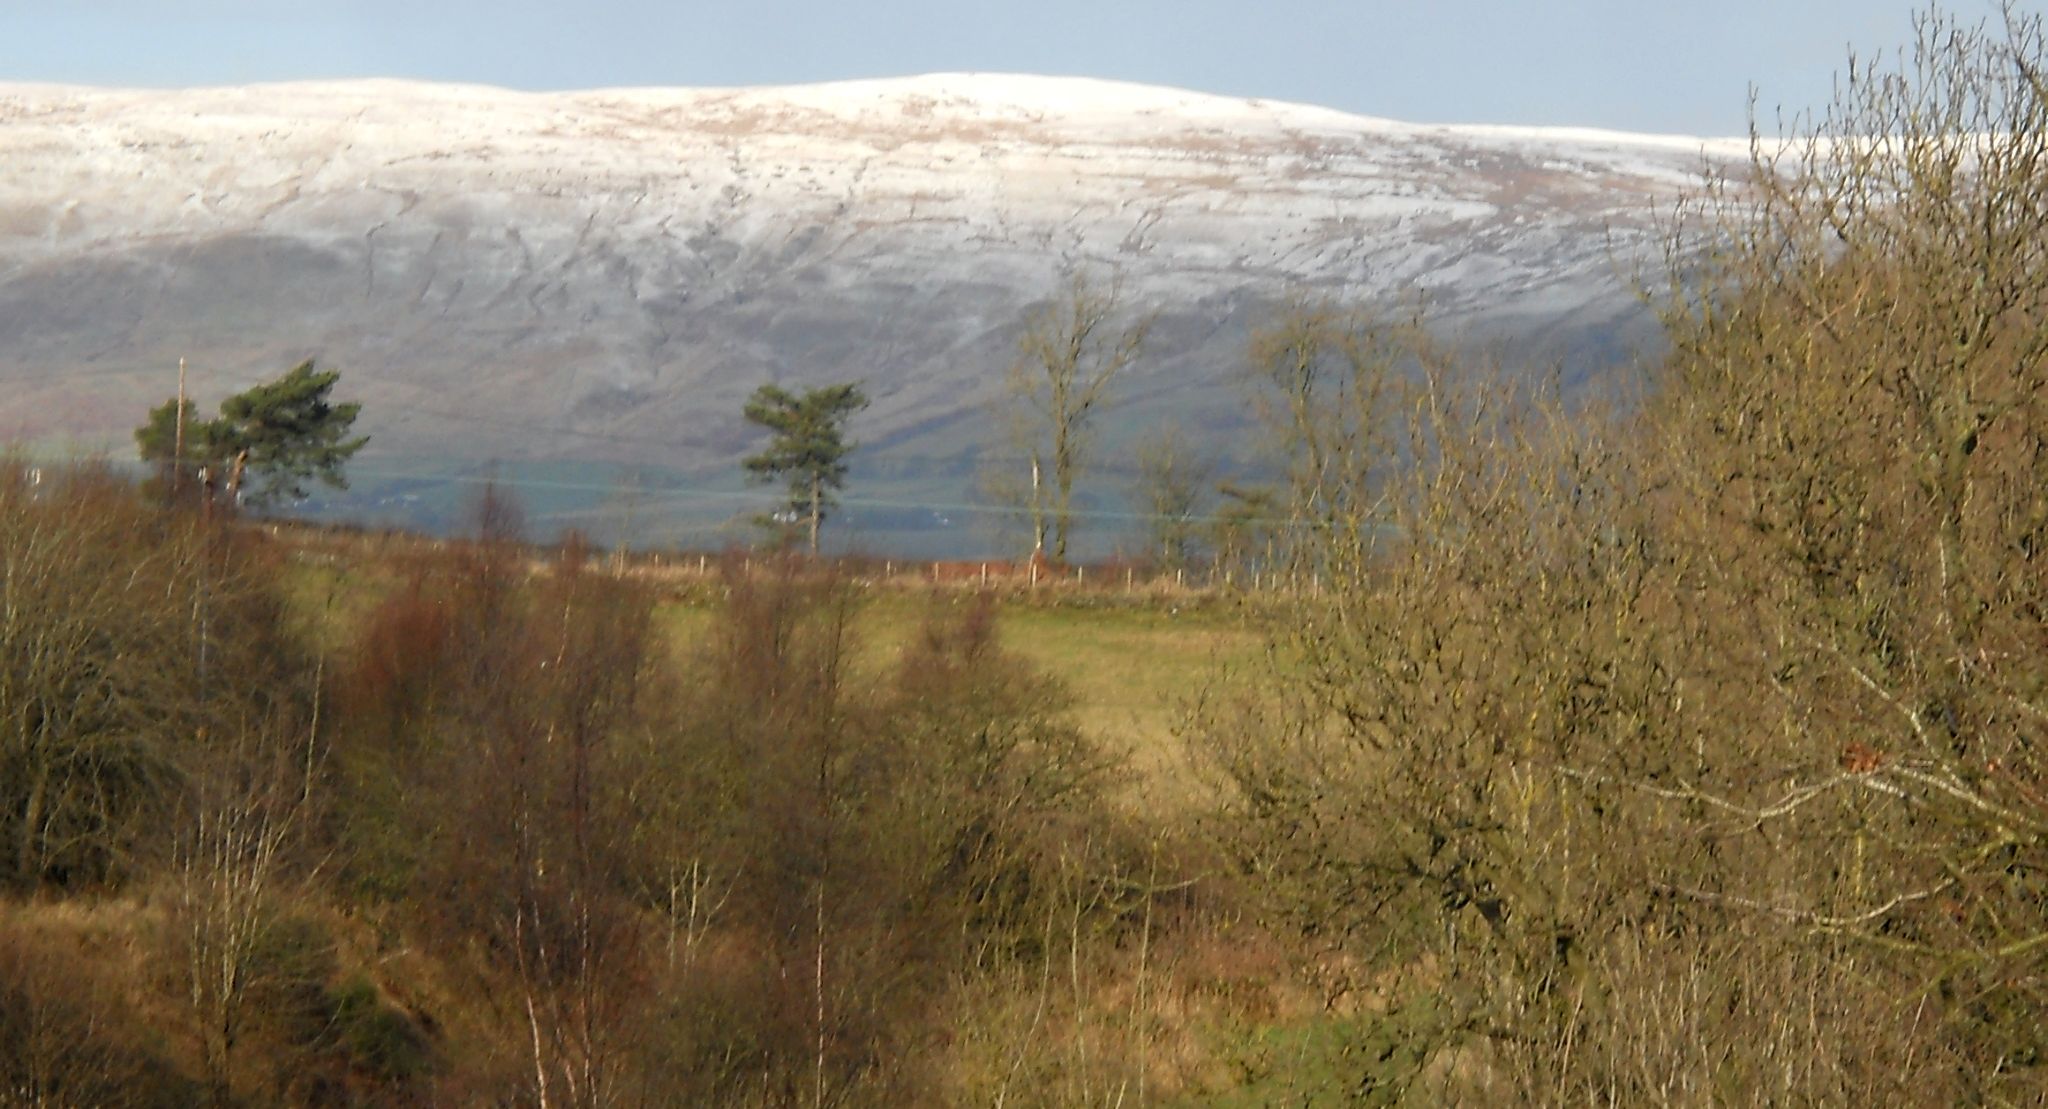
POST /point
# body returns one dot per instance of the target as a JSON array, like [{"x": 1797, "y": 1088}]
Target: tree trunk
[
  {"x": 1062, "y": 472},
  {"x": 817, "y": 510},
  {"x": 1063, "y": 482},
  {"x": 27, "y": 863}
]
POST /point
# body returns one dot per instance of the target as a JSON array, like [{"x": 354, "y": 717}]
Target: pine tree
[
  {"x": 809, "y": 448},
  {"x": 281, "y": 433}
]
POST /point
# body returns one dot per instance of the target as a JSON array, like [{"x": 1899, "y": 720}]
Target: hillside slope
[{"x": 579, "y": 285}]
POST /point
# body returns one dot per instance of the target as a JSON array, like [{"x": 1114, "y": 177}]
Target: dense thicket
[
  {"x": 1696, "y": 754},
  {"x": 497, "y": 835},
  {"x": 136, "y": 647},
  {"x": 735, "y": 875}
]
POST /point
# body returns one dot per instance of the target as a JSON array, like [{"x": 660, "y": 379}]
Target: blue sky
[{"x": 1634, "y": 64}]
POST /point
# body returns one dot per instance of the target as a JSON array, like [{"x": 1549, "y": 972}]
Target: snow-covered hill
[{"x": 601, "y": 276}]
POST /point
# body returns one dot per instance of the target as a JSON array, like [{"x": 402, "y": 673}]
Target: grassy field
[
  {"x": 1131, "y": 666},
  {"x": 1132, "y": 662},
  {"x": 1132, "y": 671}
]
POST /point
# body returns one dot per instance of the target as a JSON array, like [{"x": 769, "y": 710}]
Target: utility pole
[
  {"x": 1037, "y": 512},
  {"x": 624, "y": 538}
]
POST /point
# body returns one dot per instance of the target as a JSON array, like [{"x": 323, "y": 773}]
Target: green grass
[
  {"x": 1132, "y": 671},
  {"x": 1131, "y": 667},
  {"x": 1131, "y": 663}
]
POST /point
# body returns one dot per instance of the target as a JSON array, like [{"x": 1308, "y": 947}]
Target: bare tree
[
  {"x": 1325, "y": 377},
  {"x": 1855, "y": 410},
  {"x": 228, "y": 866},
  {"x": 1071, "y": 353},
  {"x": 1245, "y": 534},
  {"x": 1172, "y": 476}
]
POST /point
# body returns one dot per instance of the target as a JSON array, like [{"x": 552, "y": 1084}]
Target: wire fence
[{"x": 701, "y": 568}]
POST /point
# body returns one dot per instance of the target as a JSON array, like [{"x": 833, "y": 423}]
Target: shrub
[
  {"x": 374, "y": 1038},
  {"x": 1694, "y": 754},
  {"x": 67, "y": 1037},
  {"x": 133, "y": 640}
]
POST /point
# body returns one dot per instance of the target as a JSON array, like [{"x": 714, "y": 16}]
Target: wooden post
[{"x": 1037, "y": 513}]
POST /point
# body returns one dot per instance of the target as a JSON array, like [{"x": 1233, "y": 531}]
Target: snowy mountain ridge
[{"x": 610, "y": 271}]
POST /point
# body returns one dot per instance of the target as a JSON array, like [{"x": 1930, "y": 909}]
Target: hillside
[{"x": 580, "y": 287}]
